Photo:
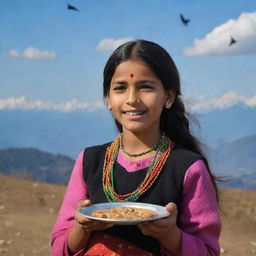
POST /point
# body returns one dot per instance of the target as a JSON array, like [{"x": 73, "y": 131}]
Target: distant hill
[
  {"x": 226, "y": 125},
  {"x": 228, "y": 133},
  {"x": 68, "y": 133},
  {"x": 237, "y": 160},
  {"x": 36, "y": 165}
]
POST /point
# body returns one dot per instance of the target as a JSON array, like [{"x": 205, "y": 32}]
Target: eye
[
  {"x": 119, "y": 88},
  {"x": 146, "y": 87}
]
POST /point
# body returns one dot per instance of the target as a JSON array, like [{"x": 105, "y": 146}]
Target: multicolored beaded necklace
[
  {"x": 137, "y": 154},
  {"x": 153, "y": 171}
]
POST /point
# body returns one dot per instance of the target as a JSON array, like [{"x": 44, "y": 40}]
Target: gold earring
[
  {"x": 168, "y": 105},
  {"x": 137, "y": 101}
]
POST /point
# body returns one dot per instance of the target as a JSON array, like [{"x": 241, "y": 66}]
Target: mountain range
[
  {"x": 236, "y": 167},
  {"x": 36, "y": 165},
  {"x": 229, "y": 137},
  {"x": 69, "y": 132},
  {"x": 226, "y": 125},
  {"x": 237, "y": 161}
]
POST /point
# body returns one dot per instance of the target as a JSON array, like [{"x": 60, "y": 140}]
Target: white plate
[{"x": 160, "y": 211}]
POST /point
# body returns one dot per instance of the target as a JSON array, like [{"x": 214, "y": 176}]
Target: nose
[{"x": 132, "y": 97}]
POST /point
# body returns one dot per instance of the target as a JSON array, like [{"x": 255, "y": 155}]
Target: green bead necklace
[{"x": 162, "y": 152}]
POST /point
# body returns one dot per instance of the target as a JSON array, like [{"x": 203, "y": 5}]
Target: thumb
[
  {"x": 171, "y": 208},
  {"x": 84, "y": 203}
]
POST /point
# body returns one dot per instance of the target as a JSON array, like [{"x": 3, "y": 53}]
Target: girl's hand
[
  {"x": 161, "y": 228},
  {"x": 88, "y": 224}
]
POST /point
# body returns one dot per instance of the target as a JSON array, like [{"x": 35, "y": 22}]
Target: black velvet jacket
[{"x": 167, "y": 188}]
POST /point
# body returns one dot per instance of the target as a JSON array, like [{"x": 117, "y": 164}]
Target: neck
[{"x": 136, "y": 143}]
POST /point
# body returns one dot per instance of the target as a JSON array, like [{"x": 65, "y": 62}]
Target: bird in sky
[
  {"x": 70, "y": 7},
  {"x": 232, "y": 41},
  {"x": 184, "y": 20}
]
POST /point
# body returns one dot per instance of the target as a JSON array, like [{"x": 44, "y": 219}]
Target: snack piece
[{"x": 124, "y": 212}]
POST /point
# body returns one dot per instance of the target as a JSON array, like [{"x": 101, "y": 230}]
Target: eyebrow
[{"x": 138, "y": 82}]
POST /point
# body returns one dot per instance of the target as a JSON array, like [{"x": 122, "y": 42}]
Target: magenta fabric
[
  {"x": 133, "y": 166},
  {"x": 200, "y": 220}
]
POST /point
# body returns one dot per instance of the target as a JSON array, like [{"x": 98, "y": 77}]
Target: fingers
[
  {"x": 154, "y": 229},
  {"x": 144, "y": 229},
  {"x": 81, "y": 219},
  {"x": 171, "y": 208},
  {"x": 158, "y": 228},
  {"x": 84, "y": 203},
  {"x": 95, "y": 226},
  {"x": 78, "y": 217},
  {"x": 151, "y": 229},
  {"x": 89, "y": 224}
]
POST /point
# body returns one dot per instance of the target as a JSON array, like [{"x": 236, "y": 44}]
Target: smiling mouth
[{"x": 135, "y": 113}]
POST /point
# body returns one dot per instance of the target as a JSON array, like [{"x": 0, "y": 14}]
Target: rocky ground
[{"x": 28, "y": 211}]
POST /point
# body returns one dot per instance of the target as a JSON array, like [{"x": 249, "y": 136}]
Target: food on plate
[{"x": 124, "y": 212}]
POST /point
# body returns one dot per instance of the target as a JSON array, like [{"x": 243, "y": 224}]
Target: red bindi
[{"x": 131, "y": 75}]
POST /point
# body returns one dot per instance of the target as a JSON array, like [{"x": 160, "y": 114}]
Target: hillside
[
  {"x": 36, "y": 165},
  {"x": 237, "y": 165},
  {"x": 237, "y": 160},
  {"x": 28, "y": 211},
  {"x": 225, "y": 125}
]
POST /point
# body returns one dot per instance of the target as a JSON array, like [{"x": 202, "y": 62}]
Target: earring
[
  {"x": 168, "y": 105},
  {"x": 137, "y": 101},
  {"x": 109, "y": 107}
]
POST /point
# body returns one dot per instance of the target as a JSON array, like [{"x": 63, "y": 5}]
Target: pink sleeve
[
  {"x": 76, "y": 191},
  {"x": 200, "y": 220}
]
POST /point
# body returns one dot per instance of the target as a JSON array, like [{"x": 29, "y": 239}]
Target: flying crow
[
  {"x": 70, "y": 7},
  {"x": 232, "y": 41},
  {"x": 184, "y": 21}
]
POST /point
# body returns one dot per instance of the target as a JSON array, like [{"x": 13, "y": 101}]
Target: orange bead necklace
[{"x": 162, "y": 152}]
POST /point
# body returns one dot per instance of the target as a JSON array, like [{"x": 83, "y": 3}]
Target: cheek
[
  {"x": 116, "y": 108},
  {"x": 116, "y": 105},
  {"x": 114, "y": 100},
  {"x": 156, "y": 102}
]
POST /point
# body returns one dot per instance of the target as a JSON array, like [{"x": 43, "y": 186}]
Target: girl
[{"x": 155, "y": 159}]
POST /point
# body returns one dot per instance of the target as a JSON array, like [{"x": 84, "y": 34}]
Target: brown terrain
[{"x": 28, "y": 211}]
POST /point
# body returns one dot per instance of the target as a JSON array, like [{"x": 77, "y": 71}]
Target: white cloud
[
  {"x": 109, "y": 44},
  {"x": 23, "y": 103},
  {"x": 194, "y": 103},
  {"x": 31, "y": 53},
  {"x": 229, "y": 99},
  {"x": 243, "y": 30}
]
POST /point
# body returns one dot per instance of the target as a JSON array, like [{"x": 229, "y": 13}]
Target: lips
[{"x": 133, "y": 113}]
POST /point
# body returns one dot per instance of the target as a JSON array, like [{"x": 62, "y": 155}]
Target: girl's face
[{"x": 137, "y": 97}]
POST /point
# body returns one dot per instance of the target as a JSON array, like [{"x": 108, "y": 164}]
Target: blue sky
[{"x": 52, "y": 57}]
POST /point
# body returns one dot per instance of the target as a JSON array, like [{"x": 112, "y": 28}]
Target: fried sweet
[{"x": 124, "y": 212}]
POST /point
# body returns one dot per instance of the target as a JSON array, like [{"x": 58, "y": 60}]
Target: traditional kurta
[{"x": 199, "y": 219}]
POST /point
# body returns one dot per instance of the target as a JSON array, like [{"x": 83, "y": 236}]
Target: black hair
[{"x": 174, "y": 121}]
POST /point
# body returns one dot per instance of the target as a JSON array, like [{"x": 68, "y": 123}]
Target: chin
[{"x": 133, "y": 129}]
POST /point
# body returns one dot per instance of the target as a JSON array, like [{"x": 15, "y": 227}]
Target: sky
[{"x": 53, "y": 58}]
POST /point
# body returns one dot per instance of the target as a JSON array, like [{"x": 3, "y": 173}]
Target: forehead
[{"x": 133, "y": 68}]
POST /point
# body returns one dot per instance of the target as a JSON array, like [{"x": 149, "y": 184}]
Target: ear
[
  {"x": 170, "y": 96},
  {"x": 108, "y": 103}
]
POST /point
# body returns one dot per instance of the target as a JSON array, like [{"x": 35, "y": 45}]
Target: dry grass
[{"x": 28, "y": 211}]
